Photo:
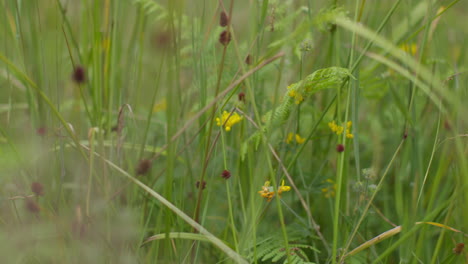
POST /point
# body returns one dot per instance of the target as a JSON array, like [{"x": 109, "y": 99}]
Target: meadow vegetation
[{"x": 281, "y": 131}]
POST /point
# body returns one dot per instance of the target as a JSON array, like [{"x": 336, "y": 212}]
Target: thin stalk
[
  {"x": 341, "y": 175},
  {"x": 90, "y": 171},
  {"x": 371, "y": 199}
]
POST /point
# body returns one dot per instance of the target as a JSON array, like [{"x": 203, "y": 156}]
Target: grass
[{"x": 114, "y": 147}]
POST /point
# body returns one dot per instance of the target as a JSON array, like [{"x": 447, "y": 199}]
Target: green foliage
[
  {"x": 295, "y": 35},
  {"x": 152, "y": 9},
  {"x": 323, "y": 19},
  {"x": 273, "y": 249},
  {"x": 322, "y": 79}
]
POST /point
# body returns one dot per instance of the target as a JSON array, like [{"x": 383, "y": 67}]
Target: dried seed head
[
  {"x": 162, "y": 40},
  {"x": 37, "y": 188},
  {"x": 271, "y": 20},
  {"x": 120, "y": 120},
  {"x": 225, "y": 38},
  {"x": 459, "y": 248},
  {"x": 447, "y": 125},
  {"x": 241, "y": 96},
  {"x": 226, "y": 174},
  {"x": 405, "y": 134},
  {"x": 340, "y": 148},
  {"x": 248, "y": 60},
  {"x": 41, "y": 131},
  {"x": 32, "y": 206},
  {"x": 223, "y": 19},
  {"x": 143, "y": 166},
  {"x": 202, "y": 186},
  {"x": 79, "y": 75}
]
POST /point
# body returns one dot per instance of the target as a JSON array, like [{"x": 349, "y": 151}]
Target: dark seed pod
[
  {"x": 202, "y": 185},
  {"x": 32, "y": 206},
  {"x": 241, "y": 96},
  {"x": 340, "y": 148},
  {"x": 223, "y": 19},
  {"x": 143, "y": 166},
  {"x": 459, "y": 248},
  {"x": 37, "y": 188},
  {"x": 226, "y": 174},
  {"x": 79, "y": 75},
  {"x": 41, "y": 131},
  {"x": 405, "y": 135},
  {"x": 225, "y": 38},
  {"x": 248, "y": 60}
]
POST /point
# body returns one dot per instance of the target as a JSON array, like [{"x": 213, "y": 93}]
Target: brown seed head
[
  {"x": 223, "y": 19},
  {"x": 459, "y": 248},
  {"x": 248, "y": 60},
  {"x": 37, "y": 188},
  {"x": 41, "y": 131},
  {"x": 143, "y": 166},
  {"x": 79, "y": 75},
  {"x": 162, "y": 40},
  {"x": 202, "y": 186},
  {"x": 447, "y": 125},
  {"x": 241, "y": 96},
  {"x": 340, "y": 148},
  {"x": 225, "y": 38},
  {"x": 32, "y": 206},
  {"x": 226, "y": 174}
]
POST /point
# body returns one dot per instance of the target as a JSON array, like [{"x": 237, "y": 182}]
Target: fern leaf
[
  {"x": 275, "y": 255},
  {"x": 325, "y": 79},
  {"x": 321, "y": 79},
  {"x": 149, "y": 6},
  {"x": 272, "y": 249}
]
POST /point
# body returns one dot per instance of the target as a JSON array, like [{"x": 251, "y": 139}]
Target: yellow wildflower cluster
[
  {"x": 228, "y": 120},
  {"x": 268, "y": 193},
  {"x": 299, "y": 139},
  {"x": 339, "y": 129},
  {"x": 409, "y": 48},
  {"x": 330, "y": 190},
  {"x": 296, "y": 95},
  {"x": 160, "y": 106}
]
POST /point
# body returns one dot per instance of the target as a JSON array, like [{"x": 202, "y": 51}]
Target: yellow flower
[
  {"x": 330, "y": 190},
  {"x": 299, "y": 139},
  {"x": 296, "y": 95},
  {"x": 335, "y": 128},
  {"x": 283, "y": 188},
  {"x": 228, "y": 120},
  {"x": 289, "y": 138},
  {"x": 160, "y": 106},
  {"x": 348, "y": 130},
  {"x": 339, "y": 129},
  {"x": 409, "y": 48},
  {"x": 268, "y": 193}
]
